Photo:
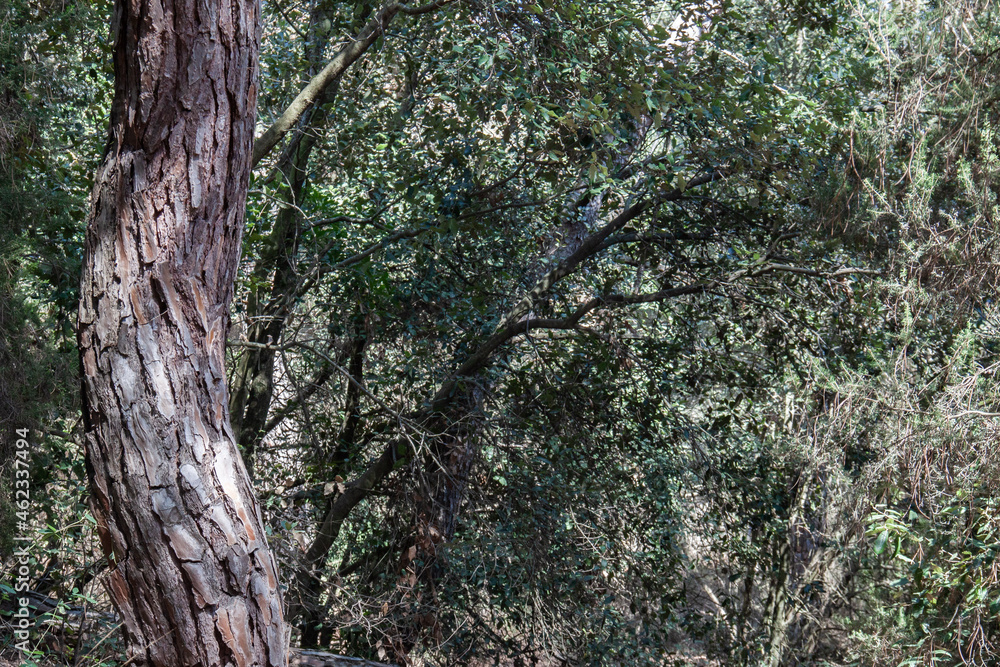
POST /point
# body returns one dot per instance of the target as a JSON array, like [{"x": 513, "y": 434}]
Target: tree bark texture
[{"x": 192, "y": 577}]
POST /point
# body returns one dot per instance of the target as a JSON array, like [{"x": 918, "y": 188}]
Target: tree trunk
[
  {"x": 192, "y": 577},
  {"x": 304, "y": 600},
  {"x": 776, "y": 611},
  {"x": 253, "y": 381},
  {"x": 253, "y": 384},
  {"x": 444, "y": 475}
]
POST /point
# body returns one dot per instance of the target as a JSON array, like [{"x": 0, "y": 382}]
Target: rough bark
[{"x": 192, "y": 577}]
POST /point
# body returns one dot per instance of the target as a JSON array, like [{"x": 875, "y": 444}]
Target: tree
[
  {"x": 191, "y": 573},
  {"x": 588, "y": 331},
  {"x": 564, "y": 239}
]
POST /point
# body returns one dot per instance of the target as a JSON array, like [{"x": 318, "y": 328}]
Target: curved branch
[
  {"x": 319, "y": 83},
  {"x": 399, "y": 449},
  {"x": 346, "y": 57}
]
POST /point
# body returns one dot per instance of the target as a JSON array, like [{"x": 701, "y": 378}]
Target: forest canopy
[{"x": 563, "y": 332}]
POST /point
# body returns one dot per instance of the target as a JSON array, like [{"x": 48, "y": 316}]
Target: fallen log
[{"x": 310, "y": 658}]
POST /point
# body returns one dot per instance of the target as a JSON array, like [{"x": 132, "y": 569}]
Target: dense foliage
[{"x": 568, "y": 332}]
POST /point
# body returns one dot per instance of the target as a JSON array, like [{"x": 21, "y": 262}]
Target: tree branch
[
  {"x": 593, "y": 244},
  {"x": 346, "y": 57},
  {"x": 400, "y": 449}
]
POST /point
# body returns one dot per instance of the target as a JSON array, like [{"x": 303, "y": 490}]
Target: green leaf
[{"x": 880, "y": 542}]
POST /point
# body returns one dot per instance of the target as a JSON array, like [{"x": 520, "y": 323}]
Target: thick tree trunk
[{"x": 192, "y": 577}]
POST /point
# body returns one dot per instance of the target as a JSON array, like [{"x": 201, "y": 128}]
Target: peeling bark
[{"x": 192, "y": 577}]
